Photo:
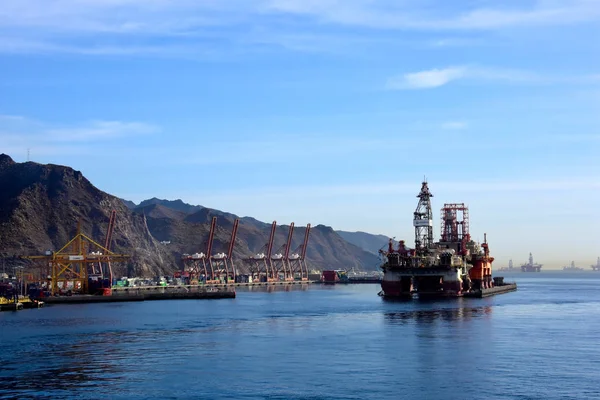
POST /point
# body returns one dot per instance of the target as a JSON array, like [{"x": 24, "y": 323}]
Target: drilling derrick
[
  {"x": 280, "y": 258},
  {"x": 260, "y": 264},
  {"x": 297, "y": 260},
  {"x": 423, "y": 221},
  {"x": 222, "y": 263}
]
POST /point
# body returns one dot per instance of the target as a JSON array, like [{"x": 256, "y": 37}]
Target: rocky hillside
[
  {"x": 366, "y": 241},
  {"x": 40, "y": 206},
  {"x": 188, "y": 233}
]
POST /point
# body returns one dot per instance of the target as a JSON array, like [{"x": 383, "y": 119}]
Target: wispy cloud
[
  {"x": 426, "y": 79},
  {"x": 437, "y": 77},
  {"x": 392, "y": 14},
  {"x": 100, "y": 130},
  {"x": 455, "y": 125},
  {"x": 19, "y": 133},
  {"x": 91, "y": 27},
  {"x": 369, "y": 189}
]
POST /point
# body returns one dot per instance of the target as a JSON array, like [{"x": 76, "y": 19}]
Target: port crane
[
  {"x": 196, "y": 264},
  {"x": 297, "y": 260},
  {"x": 281, "y": 257},
  {"x": 222, "y": 263},
  {"x": 82, "y": 265},
  {"x": 261, "y": 264}
]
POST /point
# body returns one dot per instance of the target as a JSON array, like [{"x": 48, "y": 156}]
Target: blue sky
[{"x": 322, "y": 111}]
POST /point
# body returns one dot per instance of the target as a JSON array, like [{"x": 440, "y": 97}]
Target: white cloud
[
  {"x": 437, "y": 77},
  {"x": 426, "y": 79}
]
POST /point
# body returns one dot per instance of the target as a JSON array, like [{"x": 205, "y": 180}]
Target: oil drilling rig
[
  {"x": 80, "y": 266},
  {"x": 451, "y": 267}
]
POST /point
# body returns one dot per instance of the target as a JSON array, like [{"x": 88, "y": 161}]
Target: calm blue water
[{"x": 322, "y": 342}]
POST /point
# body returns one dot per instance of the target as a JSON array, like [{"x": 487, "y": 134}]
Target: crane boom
[
  {"x": 288, "y": 244},
  {"x": 211, "y": 236},
  {"x": 233, "y": 235},
  {"x": 271, "y": 240},
  {"x": 305, "y": 244},
  {"x": 110, "y": 230}
]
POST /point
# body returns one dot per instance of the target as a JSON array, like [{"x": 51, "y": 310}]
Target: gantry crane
[
  {"x": 297, "y": 260},
  {"x": 260, "y": 264},
  {"x": 82, "y": 265}
]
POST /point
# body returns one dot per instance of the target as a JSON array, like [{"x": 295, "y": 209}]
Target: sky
[{"x": 322, "y": 111}]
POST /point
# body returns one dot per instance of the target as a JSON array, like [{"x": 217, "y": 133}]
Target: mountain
[
  {"x": 326, "y": 249},
  {"x": 130, "y": 204},
  {"x": 366, "y": 241},
  {"x": 40, "y": 206},
  {"x": 177, "y": 205}
]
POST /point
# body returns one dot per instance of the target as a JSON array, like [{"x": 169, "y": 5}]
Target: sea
[{"x": 314, "y": 342}]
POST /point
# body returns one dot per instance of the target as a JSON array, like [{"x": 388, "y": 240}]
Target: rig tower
[{"x": 423, "y": 221}]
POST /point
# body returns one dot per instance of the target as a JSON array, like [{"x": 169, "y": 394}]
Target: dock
[
  {"x": 505, "y": 288},
  {"x": 147, "y": 294}
]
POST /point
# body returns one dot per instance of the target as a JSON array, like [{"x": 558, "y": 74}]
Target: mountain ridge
[{"x": 41, "y": 204}]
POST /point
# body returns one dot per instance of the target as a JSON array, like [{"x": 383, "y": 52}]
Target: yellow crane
[{"x": 79, "y": 260}]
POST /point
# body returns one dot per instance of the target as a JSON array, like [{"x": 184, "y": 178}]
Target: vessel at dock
[
  {"x": 597, "y": 266},
  {"x": 453, "y": 267},
  {"x": 530, "y": 266}
]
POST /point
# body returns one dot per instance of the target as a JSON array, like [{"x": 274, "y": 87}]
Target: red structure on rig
[{"x": 297, "y": 260}]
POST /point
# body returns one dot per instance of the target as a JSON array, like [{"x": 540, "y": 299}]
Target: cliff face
[{"x": 41, "y": 205}]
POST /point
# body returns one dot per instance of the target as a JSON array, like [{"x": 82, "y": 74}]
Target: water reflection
[
  {"x": 431, "y": 315},
  {"x": 62, "y": 367}
]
